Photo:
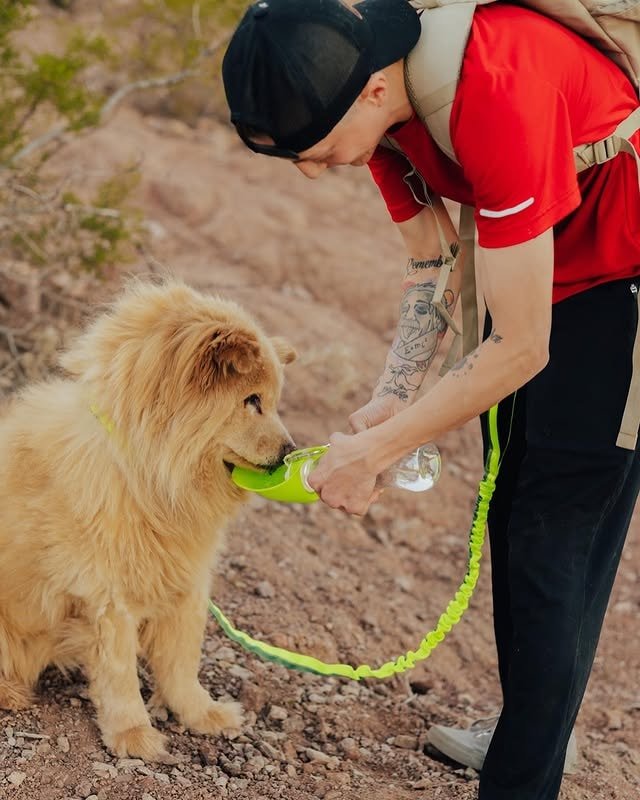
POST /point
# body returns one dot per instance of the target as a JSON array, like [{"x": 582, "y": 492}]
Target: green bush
[
  {"x": 43, "y": 95},
  {"x": 169, "y": 50}
]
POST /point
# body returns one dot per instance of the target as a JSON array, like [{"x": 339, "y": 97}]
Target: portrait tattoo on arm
[{"x": 419, "y": 329}]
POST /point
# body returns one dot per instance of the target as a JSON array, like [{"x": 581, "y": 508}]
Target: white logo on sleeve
[{"x": 507, "y": 212}]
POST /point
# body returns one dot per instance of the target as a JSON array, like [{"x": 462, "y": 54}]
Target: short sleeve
[
  {"x": 512, "y": 136},
  {"x": 388, "y": 169}
]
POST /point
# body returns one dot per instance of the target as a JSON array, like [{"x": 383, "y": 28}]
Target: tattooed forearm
[
  {"x": 464, "y": 366},
  {"x": 420, "y": 329},
  {"x": 401, "y": 379},
  {"x": 414, "y": 265}
]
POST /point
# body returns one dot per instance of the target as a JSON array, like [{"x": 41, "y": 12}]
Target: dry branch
[{"x": 118, "y": 96}]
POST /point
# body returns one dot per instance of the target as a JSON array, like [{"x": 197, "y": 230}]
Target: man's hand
[
  {"x": 344, "y": 477},
  {"x": 377, "y": 410}
]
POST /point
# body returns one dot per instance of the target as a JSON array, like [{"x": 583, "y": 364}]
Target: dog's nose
[{"x": 287, "y": 447}]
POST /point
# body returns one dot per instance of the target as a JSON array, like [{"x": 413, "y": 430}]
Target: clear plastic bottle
[{"x": 416, "y": 472}]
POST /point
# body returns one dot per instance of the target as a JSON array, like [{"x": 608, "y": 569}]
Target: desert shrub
[{"x": 42, "y": 96}]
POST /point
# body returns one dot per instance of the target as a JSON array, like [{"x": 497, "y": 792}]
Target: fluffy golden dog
[{"x": 114, "y": 492}]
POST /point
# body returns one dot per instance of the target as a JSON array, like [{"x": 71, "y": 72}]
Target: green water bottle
[{"x": 289, "y": 483}]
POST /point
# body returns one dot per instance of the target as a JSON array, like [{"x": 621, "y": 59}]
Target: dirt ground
[{"x": 320, "y": 264}]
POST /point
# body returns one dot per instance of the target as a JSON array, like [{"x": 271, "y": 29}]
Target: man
[{"x": 321, "y": 84}]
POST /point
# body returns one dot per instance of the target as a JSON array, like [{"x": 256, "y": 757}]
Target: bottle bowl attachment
[{"x": 288, "y": 483}]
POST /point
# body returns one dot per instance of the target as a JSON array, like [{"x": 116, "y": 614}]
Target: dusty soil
[{"x": 320, "y": 264}]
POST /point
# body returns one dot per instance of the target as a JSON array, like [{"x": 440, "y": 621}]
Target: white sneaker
[{"x": 469, "y": 747}]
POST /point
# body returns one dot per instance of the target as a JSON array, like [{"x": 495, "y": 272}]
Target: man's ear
[
  {"x": 285, "y": 352},
  {"x": 376, "y": 88},
  {"x": 224, "y": 353}
]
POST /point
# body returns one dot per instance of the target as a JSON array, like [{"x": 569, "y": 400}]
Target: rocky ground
[{"x": 320, "y": 264}]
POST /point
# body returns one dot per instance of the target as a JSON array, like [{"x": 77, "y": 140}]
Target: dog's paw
[
  {"x": 143, "y": 742},
  {"x": 217, "y": 718},
  {"x": 14, "y": 696}
]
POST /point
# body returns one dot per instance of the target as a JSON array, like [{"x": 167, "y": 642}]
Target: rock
[
  {"x": 423, "y": 783},
  {"x": 470, "y": 773},
  {"x": 265, "y": 589},
  {"x": 224, "y": 654},
  {"x": 83, "y": 789},
  {"x": 269, "y": 751},
  {"x": 349, "y": 747},
  {"x": 277, "y": 713},
  {"x": 255, "y": 764},
  {"x": 16, "y": 778},
  {"x": 232, "y": 768},
  {"x": 207, "y": 754},
  {"x": 161, "y": 777},
  {"x": 104, "y": 769},
  {"x": 240, "y": 672},
  {"x": 316, "y": 755},
  {"x": 253, "y": 697},
  {"x": 147, "y": 796},
  {"x": 27, "y": 735},
  {"x": 129, "y": 763},
  {"x": 404, "y": 742},
  {"x": 63, "y": 744}
]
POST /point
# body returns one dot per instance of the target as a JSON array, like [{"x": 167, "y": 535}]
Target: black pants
[{"x": 557, "y": 525}]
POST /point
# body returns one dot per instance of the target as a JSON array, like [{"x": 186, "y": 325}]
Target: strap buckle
[{"x": 605, "y": 149}]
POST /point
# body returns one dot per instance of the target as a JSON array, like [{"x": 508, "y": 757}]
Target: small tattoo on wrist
[{"x": 415, "y": 264}]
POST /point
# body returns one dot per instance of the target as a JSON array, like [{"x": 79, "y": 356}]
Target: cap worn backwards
[{"x": 293, "y": 68}]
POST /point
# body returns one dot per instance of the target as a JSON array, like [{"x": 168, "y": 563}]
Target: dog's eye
[{"x": 255, "y": 401}]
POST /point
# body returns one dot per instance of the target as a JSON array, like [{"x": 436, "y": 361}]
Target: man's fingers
[{"x": 359, "y": 422}]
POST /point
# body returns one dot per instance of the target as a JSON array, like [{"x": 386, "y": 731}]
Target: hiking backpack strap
[
  {"x": 628, "y": 435},
  {"x": 588, "y": 155},
  {"x": 432, "y": 68}
]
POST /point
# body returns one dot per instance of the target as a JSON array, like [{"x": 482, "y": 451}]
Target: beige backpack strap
[
  {"x": 433, "y": 67},
  {"x": 588, "y": 155},
  {"x": 628, "y": 435},
  {"x": 468, "y": 294}
]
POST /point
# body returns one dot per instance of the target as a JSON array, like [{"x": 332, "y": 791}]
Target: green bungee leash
[{"x": 450, "y": 617}]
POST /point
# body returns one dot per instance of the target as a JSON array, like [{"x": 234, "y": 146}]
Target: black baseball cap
[{"x": 293, "y": 68}]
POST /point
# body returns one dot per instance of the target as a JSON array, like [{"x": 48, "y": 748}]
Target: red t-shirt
[{"x": 529, "y": 91}]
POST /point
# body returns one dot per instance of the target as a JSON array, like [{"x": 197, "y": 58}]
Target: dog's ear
[
  {"x": 225, "y": 353},
  {"x": 284, "y": 350}
]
